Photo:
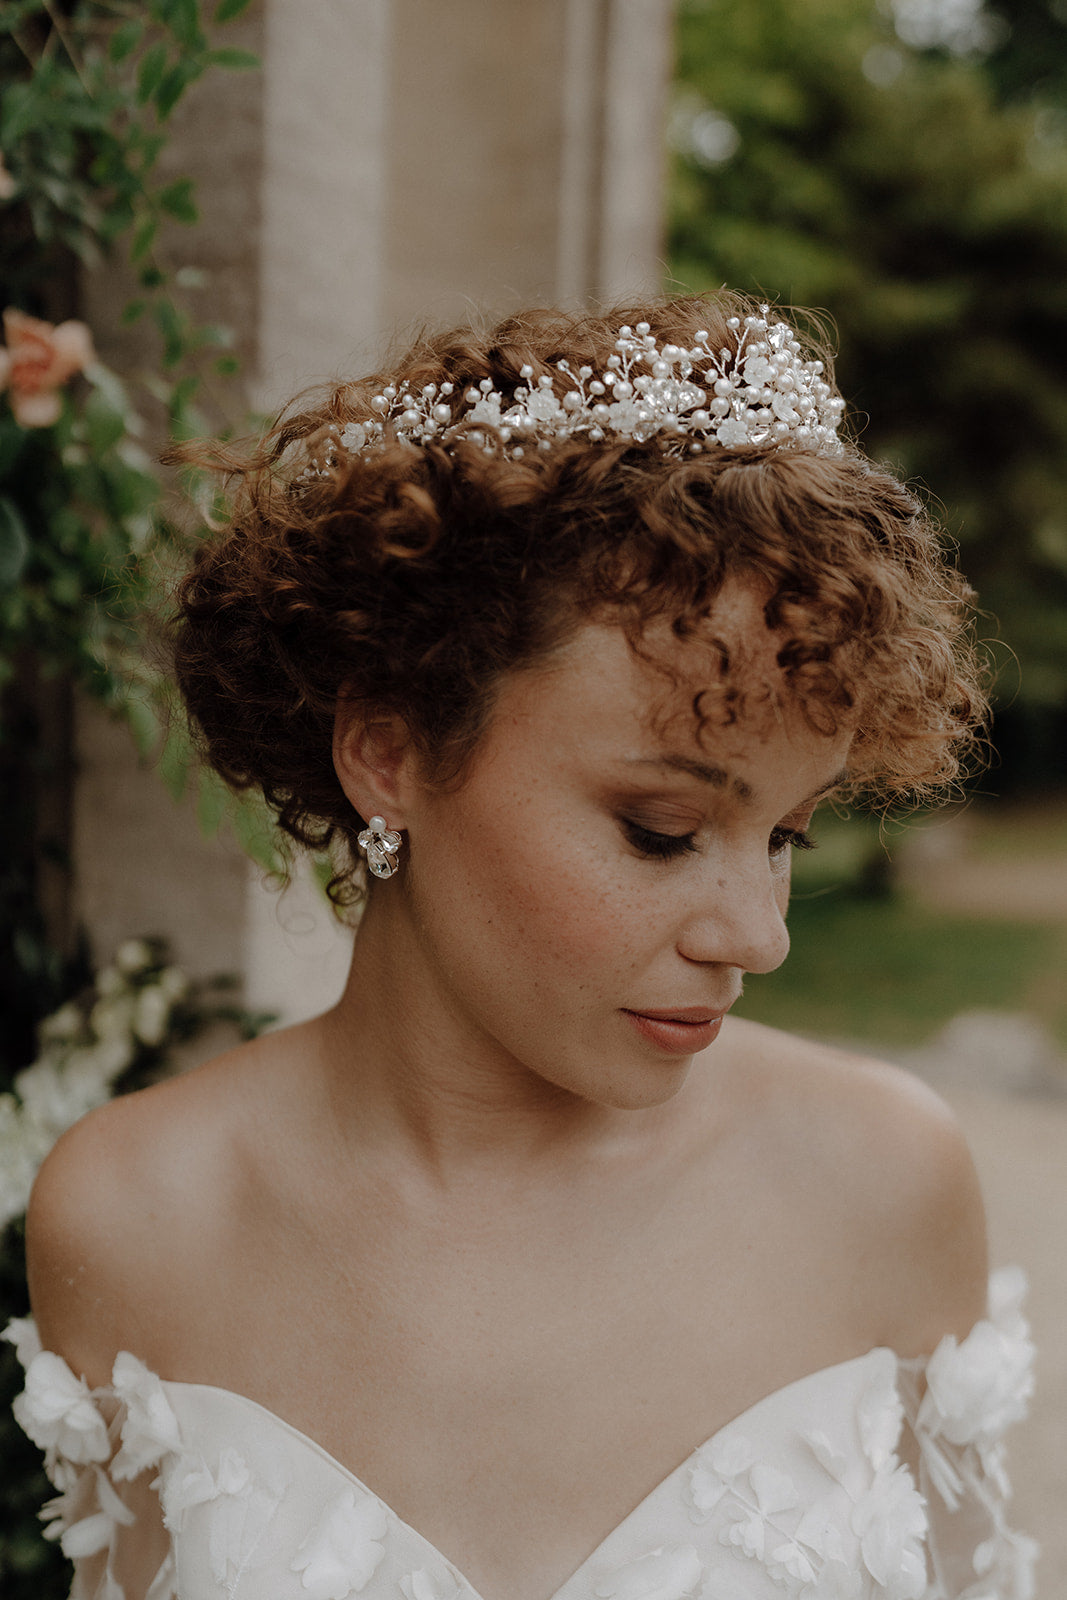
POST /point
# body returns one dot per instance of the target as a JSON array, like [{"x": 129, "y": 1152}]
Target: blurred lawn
[
  {"x": 1036, "y": 832},
  {"x": 889, "y": 969}
]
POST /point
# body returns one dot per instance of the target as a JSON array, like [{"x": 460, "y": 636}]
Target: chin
[{"x": 642, "y": 1091}]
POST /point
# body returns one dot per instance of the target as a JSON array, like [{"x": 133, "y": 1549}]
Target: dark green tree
[
  {"x": 1028, "y": 57},
  {"x": 823, "y": 162}
]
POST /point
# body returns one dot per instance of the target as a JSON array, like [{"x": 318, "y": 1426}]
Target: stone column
[
  {"x": 323, "y": 263},
  {"x": 637, "y": 62},
  {"x": 525, "y": 154}
]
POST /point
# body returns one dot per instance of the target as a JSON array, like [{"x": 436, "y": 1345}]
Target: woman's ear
[{"x": 375, "y": 763}]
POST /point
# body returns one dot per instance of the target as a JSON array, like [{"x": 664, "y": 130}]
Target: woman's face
[{"x": 586, "y": 905}]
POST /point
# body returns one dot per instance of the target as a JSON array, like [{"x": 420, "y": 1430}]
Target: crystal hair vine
[{"x": 761, "y": 391}]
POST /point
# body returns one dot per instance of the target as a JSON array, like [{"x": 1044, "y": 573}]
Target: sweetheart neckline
[{"x": 394, "y": 1517}]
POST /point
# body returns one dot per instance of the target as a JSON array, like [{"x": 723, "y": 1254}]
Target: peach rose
[{"x": 39, "y": 360}]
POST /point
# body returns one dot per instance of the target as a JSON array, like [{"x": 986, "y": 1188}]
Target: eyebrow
[{"x": 719, "y": 778}]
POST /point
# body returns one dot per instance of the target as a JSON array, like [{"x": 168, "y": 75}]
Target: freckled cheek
[{"x": 579, "y": 917}]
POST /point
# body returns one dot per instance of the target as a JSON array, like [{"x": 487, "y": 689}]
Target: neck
[{"x": 406, "y": 1071}]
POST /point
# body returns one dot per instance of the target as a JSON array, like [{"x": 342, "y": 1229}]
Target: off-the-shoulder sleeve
[
  {"x": 958, "y": 1406},
  {"x": 102, "y": 1451}
]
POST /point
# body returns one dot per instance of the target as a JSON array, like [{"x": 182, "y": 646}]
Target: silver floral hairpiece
[{"x": 761, "y": 391}]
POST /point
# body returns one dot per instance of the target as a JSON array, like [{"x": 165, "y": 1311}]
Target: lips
[
  {"x": 695, "y": 1014},
  {"x": 681, "y": 1031}
]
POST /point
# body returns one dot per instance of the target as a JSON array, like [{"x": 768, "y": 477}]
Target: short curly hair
[{"x": 412, "y": 579}]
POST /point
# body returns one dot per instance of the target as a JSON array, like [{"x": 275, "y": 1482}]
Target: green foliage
[
  {"x": 78, "y": 500},
  {"x": 1028, "y": 57},
  {"x": 87, "y": 88},
  {"x": 858, "y": 946},
  {"x": 854, "y": 957},
  {"x": 888, "y": 186},
  {"x": 139, "y": 1009},
  {"x": 81, "y": 553},
  {"x": 87, "y": 91}
]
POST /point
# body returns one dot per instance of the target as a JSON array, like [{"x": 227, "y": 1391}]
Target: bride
[{"x": 555, "y": 637}]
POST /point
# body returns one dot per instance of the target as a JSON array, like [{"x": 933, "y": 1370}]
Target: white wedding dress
[{"x": 859, "y": 1482}]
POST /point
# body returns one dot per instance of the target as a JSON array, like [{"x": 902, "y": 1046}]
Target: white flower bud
[
  {"x": 174, "y": 983},
  {"x": 152, "y": 1016},
  {"x": 64, "y": 1024},
  {"x": 133, "y": 956},
  {"x": 110, "y": 981},
  {"x": 112, "y": 1017}
]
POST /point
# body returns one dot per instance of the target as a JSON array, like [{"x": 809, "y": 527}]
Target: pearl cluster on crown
[{"x": 761, "y": 391}]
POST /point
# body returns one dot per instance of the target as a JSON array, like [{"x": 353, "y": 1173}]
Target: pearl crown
[{"x": 761, "y": 391}]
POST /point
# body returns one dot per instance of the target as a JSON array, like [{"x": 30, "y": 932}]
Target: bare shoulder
[
  {"x": 885, "y": 1166},
  {"x": 123, "y": 1207}
]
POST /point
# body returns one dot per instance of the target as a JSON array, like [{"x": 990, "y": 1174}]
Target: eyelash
[
  {"x": 668, "y": 846},
  {"x": 791, "y": 838},
  {"x": 658, "y": 846}
]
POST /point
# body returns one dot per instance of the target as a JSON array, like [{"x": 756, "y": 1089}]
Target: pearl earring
[{"x": 381, "y": 846}]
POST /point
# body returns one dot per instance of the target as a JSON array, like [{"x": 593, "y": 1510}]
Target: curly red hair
[{"x": 411, "y": 579}]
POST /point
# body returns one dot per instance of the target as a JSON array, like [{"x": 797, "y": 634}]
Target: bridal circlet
[
  {"x": 688, "y": 398},
  {"x": 381, "y": 846}
]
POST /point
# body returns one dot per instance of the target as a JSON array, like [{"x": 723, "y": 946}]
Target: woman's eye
[
  {"x": 659, "y": 846},
  {"x": 783, "y": 839}
]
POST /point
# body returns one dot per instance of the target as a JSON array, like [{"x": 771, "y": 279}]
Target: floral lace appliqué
[
  {"x": 671, "y": 1574},
  {"x": 814, "y": 1497},
  {"x": 149, "y": 1429},
  {"x": 59, "y": 1413},
  {"x": 798, "y": 1541},
  {"x": 241, "y": 1509},
  {"x": 890, "y": 1521},
  {"x": 974, "y": 1390},
  {"x": 977, "y": 1389},
  {"x": 423, "y": 1585},
  {"x": 342, "y": 1552}
]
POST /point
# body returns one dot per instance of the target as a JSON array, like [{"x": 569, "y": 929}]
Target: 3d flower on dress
[
  {"x": 59, "y": 1414},
  {"x": 86, "y": 1516},
  {"x": 890, "y": 1520},
  {"x": 342, "y": 1552},
  {"x": 423, "y": 1585},
  {"x": 754, "y": 1527},
  {"x": 712, "y": 1474},
  {"x": 149, "y": 1428},
  {"x": 977, "y": 1388},
  {"x": 880, "y": 1417},
  {"x": 193, "y": 1483},
  {"x": 240, "y": 1508},
  {"x": 21, "y": 1333},
  {"x": 800, "y": 1541},
  {"x": 669, "y": 1574}
]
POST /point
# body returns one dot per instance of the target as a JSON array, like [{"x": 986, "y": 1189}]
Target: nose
[{"x": 738, "y": 918}]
